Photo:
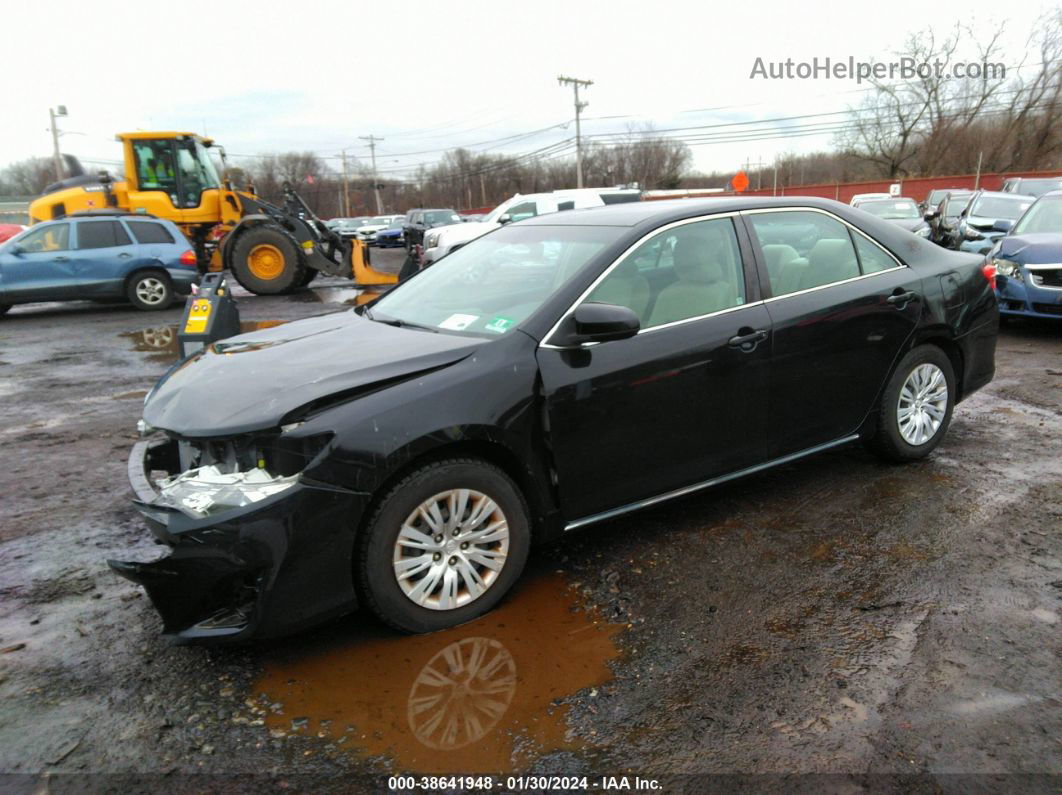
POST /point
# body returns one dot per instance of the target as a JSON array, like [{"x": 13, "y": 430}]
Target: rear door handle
[
  {"x": 748, "y": 341},
  {"x": 124, "y": 255},
  {"x": 899, "y": 300}
]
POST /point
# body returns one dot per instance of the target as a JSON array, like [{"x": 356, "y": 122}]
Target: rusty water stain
[
  {"x": 135, "y": 394},
  {"x": 161, "y": 341},
  {"x": 476, "y": 698}
]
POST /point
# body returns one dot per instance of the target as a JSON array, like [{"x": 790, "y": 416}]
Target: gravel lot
[{"x": 835, "y": 616}]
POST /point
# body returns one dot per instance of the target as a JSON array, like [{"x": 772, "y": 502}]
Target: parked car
[
  {"x": 988, "y": 216},
  {"x": 547, "y": 376},
  {"x": 945, "y": 218},
  {"x": 442, "y": 241},
  {"x": 862, "y": 197},
  {"x": 98, "y": 256},
  {"x": 899, "y": 210},
  {"x": 1028, "y": 262},
  {"x": 367, "y": 232},
  {"x": 8, "y": 231},
  {"x": 420, "y": 221},
  {"x": 392, "y": 235},
  {"x": 936, "y": 196},
  {"x": 348, "y": 227},
  {"x": 1029, "y": 186}
]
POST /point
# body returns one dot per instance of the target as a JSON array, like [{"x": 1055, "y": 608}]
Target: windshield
[
  {"x": 1006, "y": 207},
  {"x": 490, "y": 286},
  {"x": 441, "y": 217},
  {"x": 1044, "y": 216},
  {"x": 891, "y": 209},
  {"x": 380, "y": 220},
  {"x": 1038, "y": 187}
]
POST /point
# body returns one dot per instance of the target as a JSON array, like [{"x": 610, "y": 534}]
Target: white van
[{"x": 442, "y": 240}]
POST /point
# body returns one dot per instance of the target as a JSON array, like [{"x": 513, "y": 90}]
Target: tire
[
  {"x": 379, "y": 551},
  {"x": 4, "y": 309},
  {"x": 266, "y": 261},
  {"x": 309, "y": 275},
  {"x": 915, "y": 381},
  {"x": 150, "y": 291}
]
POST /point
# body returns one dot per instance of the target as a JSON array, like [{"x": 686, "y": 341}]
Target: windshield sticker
[
  {"x": 500, "y": 324},
  {"x": 459, "y": 322}
]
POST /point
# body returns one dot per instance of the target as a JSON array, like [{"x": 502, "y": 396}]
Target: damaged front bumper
[{"x": 280, "y": 563}]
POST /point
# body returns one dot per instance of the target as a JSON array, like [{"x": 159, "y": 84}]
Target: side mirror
[
  {"x": 504, "y": 218},
  {"x": 1002, "y": 225},
  {"x": 16, "y": 249},
  {"x": 594, "y": 322},
  {"x": 930, "y": 215}
]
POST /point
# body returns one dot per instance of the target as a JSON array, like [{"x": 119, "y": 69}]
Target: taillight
[
  {"x": 188, "y": 258},
  {"x": 989, "y": 270}
]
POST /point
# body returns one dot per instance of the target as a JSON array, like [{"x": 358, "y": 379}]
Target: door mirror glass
[{"x": 593, "y": 322}]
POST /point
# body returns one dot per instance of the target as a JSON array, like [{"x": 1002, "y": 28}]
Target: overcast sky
[{"x": 426, "y": 76}]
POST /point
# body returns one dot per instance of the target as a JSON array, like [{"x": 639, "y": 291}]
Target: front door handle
[
  {"x": 124, "y": 255},
  {"x": 900, "y": 300},
  {"x": 747, "y": 339},
  {"x": 62, "y": 259}
]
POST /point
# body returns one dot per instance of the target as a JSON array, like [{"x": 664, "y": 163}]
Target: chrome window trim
[{"x": 626, "y": 253}]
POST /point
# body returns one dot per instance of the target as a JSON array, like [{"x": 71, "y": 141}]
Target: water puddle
[
  {"x": 350, "y": 296},
  {"x": 161, "y": 341},
  {"x": 482, "y": 697}
]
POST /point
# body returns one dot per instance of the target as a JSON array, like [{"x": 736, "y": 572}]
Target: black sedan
[{"x": 403, "y": 456}]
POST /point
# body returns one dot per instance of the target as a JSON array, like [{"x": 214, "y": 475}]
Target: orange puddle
[{"x": 476, "y": 699}]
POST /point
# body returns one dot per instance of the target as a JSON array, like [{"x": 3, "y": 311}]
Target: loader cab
[{"x": 171, "y": 176}]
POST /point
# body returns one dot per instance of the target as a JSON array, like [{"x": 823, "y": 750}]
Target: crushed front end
[{"x": 258, "y": 546}]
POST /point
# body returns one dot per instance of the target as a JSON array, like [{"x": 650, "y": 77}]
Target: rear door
[
  {"x": 683, "y": 401},
  {"x": 43, "y": 269},
  {"x": 841, "y": 308},
  {"x": 104, "y": 253}
]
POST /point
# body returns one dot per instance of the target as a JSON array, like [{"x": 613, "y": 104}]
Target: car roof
[
  {"x": 890, "y": 199},
  {"x": 634, "y": 213},
  {"x": 1004, "y": 194}
]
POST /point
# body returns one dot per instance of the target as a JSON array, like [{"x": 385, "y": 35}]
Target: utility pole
[
  {"x": 575, "y": 83},
  {"x": 53, "y": 113},
  {"x": 372, "y": 139},
  {"x": 346, "y": 186},
  {"x": 977, "y": 179}
]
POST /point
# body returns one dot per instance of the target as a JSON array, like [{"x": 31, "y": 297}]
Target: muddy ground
[{"x": 836, "y": 616}]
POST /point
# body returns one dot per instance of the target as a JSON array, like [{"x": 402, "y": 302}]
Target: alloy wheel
[
  {"x": 151, "y": 291},
  {"x": 922, "y": 405},
  {"x": 451, "y": 549}
]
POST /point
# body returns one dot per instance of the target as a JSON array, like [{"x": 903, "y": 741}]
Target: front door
[
  {"x": 681, "y": 402},
  {"x": 43, "y": 268}
]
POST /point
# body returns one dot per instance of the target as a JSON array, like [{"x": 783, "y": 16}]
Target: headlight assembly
[
  {"x": 1005, "y": 267},
  {"x": 922, "y": 231},
  {"x": 207, "y": 490}
]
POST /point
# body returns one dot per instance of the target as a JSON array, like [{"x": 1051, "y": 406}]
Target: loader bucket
[{"x": 364, "y": 274}]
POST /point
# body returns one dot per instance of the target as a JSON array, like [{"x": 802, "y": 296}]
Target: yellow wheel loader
[{"x": 270, "y": 249}]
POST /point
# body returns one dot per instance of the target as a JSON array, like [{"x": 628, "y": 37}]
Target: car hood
[
  {"x": 1040, "y": 248},
  {"x": 466, "y": 231},
  {"x": 910, "y": 224},
  {"x": 251, "y": 381}
]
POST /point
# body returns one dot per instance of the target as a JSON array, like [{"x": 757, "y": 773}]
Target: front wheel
[
  {"x": 916, "y": 408},
  {"x": 150, "y": 291},
  {"x": 266, "y": 261},
  {"x": 444, "y": 546}
]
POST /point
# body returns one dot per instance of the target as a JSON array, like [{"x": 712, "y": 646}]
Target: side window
[
  {"x": 48, "y": 238},
  {"x": 702, "y": 274},
  {"x": 521, "y": 211},
  {"x": 803, "y": 250},
  {"x": 871, "y": 256},
  {"x": 566, "y": 205},
  {"x": 148, "y": 232},
  {"x": 100, "y": 234}
]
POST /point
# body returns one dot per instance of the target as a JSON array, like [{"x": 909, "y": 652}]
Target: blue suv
[
  {"x": 1028, "y": 262},
  {"x": 144, "y": 259}
]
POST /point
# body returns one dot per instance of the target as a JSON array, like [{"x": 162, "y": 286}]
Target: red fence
[{"x": 915, "y": 187}]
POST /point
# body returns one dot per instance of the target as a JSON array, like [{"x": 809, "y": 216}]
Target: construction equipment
[{"x": 269, "y": 249}]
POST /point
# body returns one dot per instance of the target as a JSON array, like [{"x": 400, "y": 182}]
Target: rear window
[
  {"x": 100, "y": 234},
  {"x": 148, "y": 232}
]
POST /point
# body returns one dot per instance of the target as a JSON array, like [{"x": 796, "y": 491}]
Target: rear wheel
[
  {"x": 266, "y": 261},
  {"x": 150, "y": 291},
  {"x": 916, "y": 407},
  {"x": 444, "y": 546}
]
